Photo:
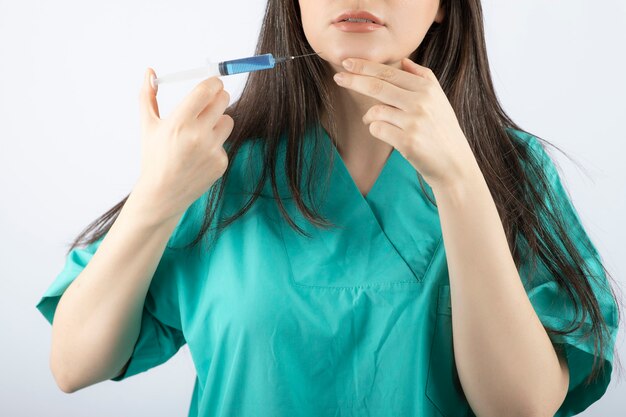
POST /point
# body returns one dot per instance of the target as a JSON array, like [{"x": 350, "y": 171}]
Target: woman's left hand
[{"x": 415, "y": 117}]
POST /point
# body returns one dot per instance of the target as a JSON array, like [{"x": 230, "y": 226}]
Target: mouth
[{"x": 359, "y": 17}]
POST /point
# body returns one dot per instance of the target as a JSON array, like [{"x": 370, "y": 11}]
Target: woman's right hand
[{"x": 182, "y": 154}]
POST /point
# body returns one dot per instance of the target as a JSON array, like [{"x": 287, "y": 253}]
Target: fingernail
[
  {"x": 339, "y": 77},
  {"x": 152, "y": 84},
  {"x": 348, "y": 64}
]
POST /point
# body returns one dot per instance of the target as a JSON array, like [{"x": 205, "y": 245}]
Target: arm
[
  {"x": 506, "y": 361},
  {"x": 98, "y": 318}
]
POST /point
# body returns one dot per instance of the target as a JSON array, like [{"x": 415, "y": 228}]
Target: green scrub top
[{"x": 355, "y": 321}]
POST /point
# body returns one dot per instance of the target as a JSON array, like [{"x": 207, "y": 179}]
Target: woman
[{"x": 389, "y": 243}]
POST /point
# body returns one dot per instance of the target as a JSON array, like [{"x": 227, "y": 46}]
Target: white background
[{"x": 70, "y": 74}]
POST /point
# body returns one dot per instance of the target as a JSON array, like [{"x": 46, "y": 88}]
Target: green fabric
[{"x": 352, "y": 322}]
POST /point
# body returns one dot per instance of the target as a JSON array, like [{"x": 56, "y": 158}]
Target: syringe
[{"x": 235, "y": 66}]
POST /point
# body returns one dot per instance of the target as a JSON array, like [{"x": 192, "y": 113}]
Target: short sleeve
[
  {"x": 161, "y": 334},
  {"x": 555, "y": 309}
]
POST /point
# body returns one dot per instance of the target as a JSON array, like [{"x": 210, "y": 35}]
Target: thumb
[{"x": 149, "y": 108}]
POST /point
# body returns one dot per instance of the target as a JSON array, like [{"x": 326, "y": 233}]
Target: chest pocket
[{"x": 443, "y": 387}]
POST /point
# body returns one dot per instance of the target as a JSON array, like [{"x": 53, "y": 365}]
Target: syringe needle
[{"x": 286, "y": 58}]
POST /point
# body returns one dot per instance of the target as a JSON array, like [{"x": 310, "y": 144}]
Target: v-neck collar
[
  {"x": 343, "y": 169},
  {"x": 389, "y": 236},
  {"x": 402, "y": 211},
  {"x": 328, "y": 150}
]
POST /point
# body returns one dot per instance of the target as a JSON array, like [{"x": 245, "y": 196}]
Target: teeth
[{"x": 351, "y": 19}]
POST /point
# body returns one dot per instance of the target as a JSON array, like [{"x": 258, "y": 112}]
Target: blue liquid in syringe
[{"x": 253, "y": 63}]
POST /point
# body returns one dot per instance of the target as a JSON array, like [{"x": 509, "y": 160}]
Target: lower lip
[{"x": 357, "y": 26}]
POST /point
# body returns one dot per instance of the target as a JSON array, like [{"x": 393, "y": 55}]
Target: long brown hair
[{"x": 455, "y": 50}]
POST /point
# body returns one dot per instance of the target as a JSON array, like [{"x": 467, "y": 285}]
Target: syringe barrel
[
  {"x": 253, "y": 63},
  {"x": 206, "y": 71},
  {"x": 235, "y": 66}
]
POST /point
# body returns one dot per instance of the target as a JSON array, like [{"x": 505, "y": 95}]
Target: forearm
[
  {"x": 98, "y": 318},
  {"x": 505, "y": 359}
]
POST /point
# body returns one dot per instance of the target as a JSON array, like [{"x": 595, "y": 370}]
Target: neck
[{"x": 355, "y": 143}]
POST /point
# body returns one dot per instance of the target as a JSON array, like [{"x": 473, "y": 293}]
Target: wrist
[
  {"x": 145, "y": 206},
  {"x": 460, "y": 189}
]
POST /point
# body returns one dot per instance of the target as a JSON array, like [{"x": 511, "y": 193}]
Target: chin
[{"x": 336, "y": 57}]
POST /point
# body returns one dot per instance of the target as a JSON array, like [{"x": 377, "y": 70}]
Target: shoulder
[
  {"x": 536, "y": 152},
  {"x": 245, "y": 167},
  {"x": 531, "y": 141}
]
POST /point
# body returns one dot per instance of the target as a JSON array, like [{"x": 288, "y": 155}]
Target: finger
[
  {"x": 209, "y": 115},
  {"x": 391, "y": 134},
  {"x": 148, "y": 106},
  {"x": 389, "y": 114},
  {"x": 199, "y": 98},
  {"x": 376, "y": 88},
  {"x": 417, "y": 69},
  {"x": 395, "y": 76},
  {"x": 223, "y": 128}
]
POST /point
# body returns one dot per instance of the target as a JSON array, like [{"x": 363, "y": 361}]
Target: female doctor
[{"x": 390, "y": 242}]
